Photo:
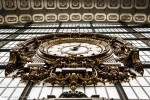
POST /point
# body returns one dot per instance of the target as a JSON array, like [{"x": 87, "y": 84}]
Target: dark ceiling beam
[
  {"x": 123, "y": 26},
  {"x": 26, "y": 91},
  {"x": 121, "y": 91}
]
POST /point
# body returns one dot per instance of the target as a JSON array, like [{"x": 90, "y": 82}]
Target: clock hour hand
[{"x": 75, "y": 48}]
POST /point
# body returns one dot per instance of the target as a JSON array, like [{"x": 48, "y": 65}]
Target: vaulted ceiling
[{"x": 25, "y": 11}]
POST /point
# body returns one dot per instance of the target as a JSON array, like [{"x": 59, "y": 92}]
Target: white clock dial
[{"x": 75, "y": 48}]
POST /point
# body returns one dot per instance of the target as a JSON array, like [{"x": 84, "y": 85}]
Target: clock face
[
  {"x": 75, "y": 48},
  {"x": 70, "y": 48}
]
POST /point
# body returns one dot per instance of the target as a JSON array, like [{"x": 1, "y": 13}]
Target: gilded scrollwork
[
  {"x": 72, "y": 94},
  {"x": 74, "y": 70}
]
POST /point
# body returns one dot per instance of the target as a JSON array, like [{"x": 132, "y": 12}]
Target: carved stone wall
[{"x": 24, "y": 11}]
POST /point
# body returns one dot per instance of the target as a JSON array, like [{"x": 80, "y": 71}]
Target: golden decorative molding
[{"x": 74, "y": 67}]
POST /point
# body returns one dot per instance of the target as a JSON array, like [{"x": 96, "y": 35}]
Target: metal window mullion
[
  {"x": 106, "y": 92},
  {"x": 95, "y": 90},
  {"x": 40, "y": 92},
  {"x": 52, "y": 89}
]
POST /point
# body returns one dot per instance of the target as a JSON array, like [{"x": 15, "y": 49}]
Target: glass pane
[
  {"x": 22, "y": 84},
  {"x": 14, "y": 82},
  {"x": 148, "y": 79},
  {"x": 81, "y": 89},
  {"x": 146, "y": 73},
  {"x": 140, "y": 93},
  {"x": 7, "y": 93},
  {"x": 133, "y": 83},
  {"x": 66, "y": 89},
  {"x": 130, "y": 93},
  {"x": 125, "y": 84},
  {"x": 1, "y": 90},
  {"x": 112, "y": 92},
  {"x": 45, "y": 91},
  {"x": 5, "y": 82},
  {"x": 34, "y": 93},
  {"x": 101, "y": 91},
  {"x": 1, "y": 79},
  {"x": 142, "y": 81},
  {"x": 57, "y": 91},
  {"x": 2, "y": 74},
  {"x": 17, "y": 93},
  {"x": 147, "y": 89},
  {"x": 89, "y": 91},
  {"x": 8, "y": 30}
]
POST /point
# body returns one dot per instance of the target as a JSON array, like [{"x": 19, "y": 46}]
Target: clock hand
[{"x": 76, "y": 47}]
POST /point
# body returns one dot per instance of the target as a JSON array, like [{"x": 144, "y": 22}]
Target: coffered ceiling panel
[
  {"x": 75, "y": 4},
  {"x": 37, "y": 4},
  {"x": 141, "y": 4},
  {"x": 127, "y": 4},
  {"x": 62, "y": 4},
  {"x": 50, "y": 4},
  {"x": 25, "y": 11},
  {"x": 24, "y": 4},
  {"x": 50, "y": 17},
  {"x": 9, "y": 4},
  {"x": 113, "y": 4}
]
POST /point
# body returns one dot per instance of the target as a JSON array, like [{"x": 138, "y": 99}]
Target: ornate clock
[{"x": 74, "y": 59}]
